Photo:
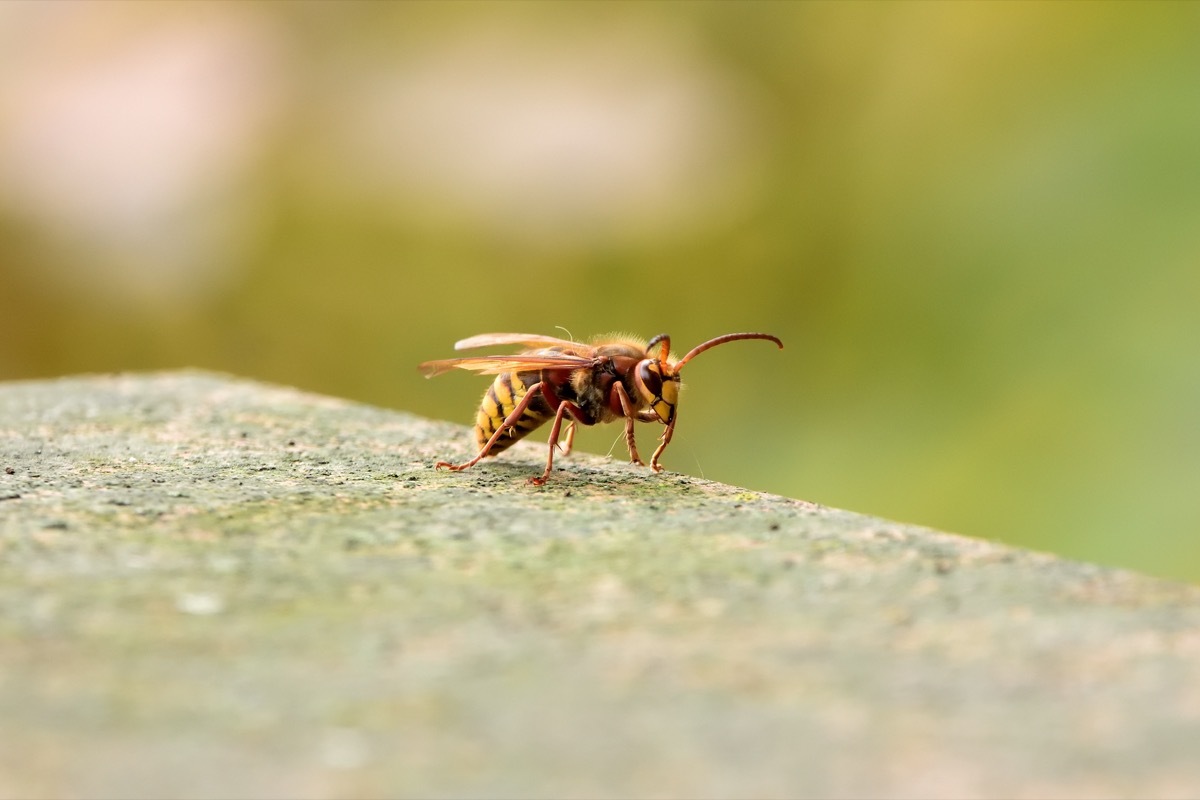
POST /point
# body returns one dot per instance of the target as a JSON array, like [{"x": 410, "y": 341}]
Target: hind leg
[{"x": 509, "y": 423}]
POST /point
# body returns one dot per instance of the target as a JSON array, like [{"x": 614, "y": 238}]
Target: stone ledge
[{"x": 215, "y": 587}]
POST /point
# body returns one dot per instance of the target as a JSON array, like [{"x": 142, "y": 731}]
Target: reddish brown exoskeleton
[{"x": 613, "y": 378}]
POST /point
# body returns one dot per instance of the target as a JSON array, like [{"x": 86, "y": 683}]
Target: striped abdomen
[{"x": 501, "y": 398}]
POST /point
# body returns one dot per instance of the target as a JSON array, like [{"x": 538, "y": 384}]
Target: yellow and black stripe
[{"x": 501, "y": 398}]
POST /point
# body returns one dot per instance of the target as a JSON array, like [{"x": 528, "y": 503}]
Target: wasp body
[{"x": 611, "y": 379}]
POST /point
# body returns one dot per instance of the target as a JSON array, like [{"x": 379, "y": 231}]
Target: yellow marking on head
[{"x": 670, "y": 391}]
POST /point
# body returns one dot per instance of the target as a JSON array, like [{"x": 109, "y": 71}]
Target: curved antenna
[
  {"x": 666, "y": 345},
  {"x": 729, "y": 337}
]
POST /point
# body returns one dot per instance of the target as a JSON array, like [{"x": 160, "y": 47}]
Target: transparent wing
[{"x": 494, "y": 365}]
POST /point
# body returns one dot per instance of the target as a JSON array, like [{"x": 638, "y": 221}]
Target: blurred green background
[{"x": 975, "y": 226}]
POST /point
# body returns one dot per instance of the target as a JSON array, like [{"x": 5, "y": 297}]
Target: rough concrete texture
[{"x": 211, "y": 587}]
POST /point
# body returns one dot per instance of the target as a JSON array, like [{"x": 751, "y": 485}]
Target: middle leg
[
  {"x": 630, "y": 414},
  {"x": 564, "y": 407}
]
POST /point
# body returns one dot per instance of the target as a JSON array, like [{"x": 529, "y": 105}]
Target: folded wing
[
  {"x": 527, "y": 339},
  {"x": 494, "y": 365}
]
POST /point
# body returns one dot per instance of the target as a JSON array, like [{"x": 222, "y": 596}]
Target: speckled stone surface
[{"x": 211, "y": 587}]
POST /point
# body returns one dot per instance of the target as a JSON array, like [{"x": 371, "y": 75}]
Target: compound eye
[{"x": 650, "y": 379}]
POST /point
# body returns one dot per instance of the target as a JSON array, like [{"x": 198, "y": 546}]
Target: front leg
[{"x": 663, "y": 442}]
